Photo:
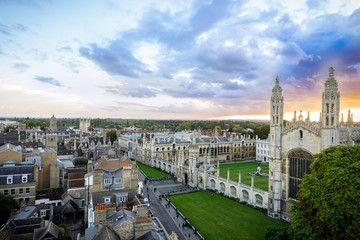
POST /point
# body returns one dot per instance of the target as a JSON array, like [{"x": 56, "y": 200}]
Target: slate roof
[
  {"x": 69, "y": 207},
  {"x": 11, "y": 147},
  {"x": 16, "y": 172},
  {"x": 121, "y": 216},
  {"x": 27, "y": 225},
  {"x": 51, "y": 229}
]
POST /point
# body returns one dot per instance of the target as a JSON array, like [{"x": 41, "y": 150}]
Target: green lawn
[
  {"x": 217, "y": 217},
  {"x": 245, "y": 168},
  {"x": 151, "y": 172}
]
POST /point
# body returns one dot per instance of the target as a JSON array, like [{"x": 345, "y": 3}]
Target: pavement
[{"x": 165, "y": 211}]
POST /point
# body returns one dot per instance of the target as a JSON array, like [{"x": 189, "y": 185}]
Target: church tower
[
  {"x": 276, "y": 127},
  {"x": 53, "y": 123},
  {"x": 330, "y": 113}
]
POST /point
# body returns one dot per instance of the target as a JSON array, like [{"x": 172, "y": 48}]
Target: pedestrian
[{"x": 169, "y": 204}]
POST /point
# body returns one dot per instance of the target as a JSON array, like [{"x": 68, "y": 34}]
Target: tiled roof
[{"x": 115, "y": 164}]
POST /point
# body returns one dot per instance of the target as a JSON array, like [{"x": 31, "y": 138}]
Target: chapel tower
[
  {"x": 330, "y": 113},
  {"x": 53, "y": 123},
  {"x": 276, "y": 128}
]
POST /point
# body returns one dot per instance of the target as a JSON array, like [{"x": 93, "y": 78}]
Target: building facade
[{"x": 293, "y": 145}]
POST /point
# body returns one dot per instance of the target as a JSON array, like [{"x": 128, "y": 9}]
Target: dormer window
[
  {"x": 42, "y": 213},
  {"x": 107, "y": 181},
  {"x": 24, "y": 178},
  {"x": 107, "y": 199},
  {"x": 117, "y": 180},
  {"x": 10, "y": 179}
]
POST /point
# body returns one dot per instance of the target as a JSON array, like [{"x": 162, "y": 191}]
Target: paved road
[{"x": 165, "y": 212}]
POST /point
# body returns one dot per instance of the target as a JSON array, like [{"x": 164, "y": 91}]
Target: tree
[
  {"x": 329, "y": 197},
  {"x": 184, "y": 126},
  {"x": 6, "y": 204},
  {"x": 112, "y": 135},
  {"x": 219, "y": 130},
  {"x": 81, "y": 161}
]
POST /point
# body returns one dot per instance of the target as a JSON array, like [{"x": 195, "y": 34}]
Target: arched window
[
  {"x": 301, "y": 133},
  {"x": 299, "y": 165}
]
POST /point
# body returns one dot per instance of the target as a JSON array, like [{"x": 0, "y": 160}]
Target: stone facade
[
  {"x": 182, "y": 154},
  {"x": 84, "y": 124},
  {"x": 53, "y": 123},
  {"x": 262, "y": 150},
  {"x": 143, "y": 224},
  {"x": 293, "y": 145}
]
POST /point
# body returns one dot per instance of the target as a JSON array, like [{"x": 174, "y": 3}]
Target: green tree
[
  {"x": 329, "y": 205},
  {"x": 219, "y": 130},
  {"x": 184, "y": 126},
  {"x": 81, "y": 161},
  {"x": 6, "y": 204},
  {"x": 112, "y": 135}
]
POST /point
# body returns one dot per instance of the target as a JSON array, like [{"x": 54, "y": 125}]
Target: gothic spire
[
  {"x": 331, "y": 82},
  {"x": 277, "y": 89}
]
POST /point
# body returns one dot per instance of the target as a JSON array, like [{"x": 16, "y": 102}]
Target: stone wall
[
  {"x": 143, "y": 224},
  {"x": 125, "y": 230},
  {"x": 9, "y": 154}
]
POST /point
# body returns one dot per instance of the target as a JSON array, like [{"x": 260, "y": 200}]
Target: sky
[{"x": 175, "y": 59}]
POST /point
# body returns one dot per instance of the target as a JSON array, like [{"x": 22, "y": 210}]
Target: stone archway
[
  {"x": 245, "y": 195},
  {"x": 212, "y": 184},
  {"x": 259, "y": 200},
  {"x": 233, "y": 191},
  {"x": 222, "y": 187},
  {"x": 299, "y": 164}
]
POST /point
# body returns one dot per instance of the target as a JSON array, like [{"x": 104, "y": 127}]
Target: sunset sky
[{"x": 175, "y": 59}]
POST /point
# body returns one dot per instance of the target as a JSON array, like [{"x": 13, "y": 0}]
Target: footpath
[{"x": 161, "y": 208}]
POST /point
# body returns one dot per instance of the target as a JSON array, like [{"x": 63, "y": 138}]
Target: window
[
  {"x": 10, "y": 179},
  {"x": 6, "y": 192},
  {"x": 27, "y": 190},
  {"x": 24, "y": 178},
  {"x": 301, "y": 133},
  {"x": 12, "y": 191},
  {"x": 117, "y": 180},
  {"x": 122, "y": 199},
  {"x": 43, "y": 213},
  {"x": 106, "y": 199},
  {"x": 107, "y": 181},
  {"x": 21, "y": 191}
]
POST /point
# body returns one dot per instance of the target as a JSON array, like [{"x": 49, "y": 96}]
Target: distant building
[
  {"x": 262, "y": 150},
  {"x": 53, "y": 123},
  {"x": 84, "y": 124}
]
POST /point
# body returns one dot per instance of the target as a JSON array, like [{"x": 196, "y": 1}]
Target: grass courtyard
[
  {"x": 246, "y": 168},
  {"x": 151, "y": 172},
  {"x": 217, "y": 217}
]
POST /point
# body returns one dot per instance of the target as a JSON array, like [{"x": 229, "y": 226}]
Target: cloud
[
  {"x": 116, "y": 59},
  {"x": 65, "y": 49},
  {"x": 21, "y": 67},
  {"x": 132, "y": 91},
  {"x": 8, "y": 30},
  {"x": 49, "y": 80}
]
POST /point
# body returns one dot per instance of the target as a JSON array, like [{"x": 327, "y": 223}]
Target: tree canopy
[
  {"x": 329, "y": 197},
  {"x": 81, "y": 161},
  {"x": 112, "y": 135},
  {"x": 6, "y": 204},
  {"x": 184, "y": 126}
]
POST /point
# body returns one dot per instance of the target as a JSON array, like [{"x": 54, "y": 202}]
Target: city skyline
[{"x": 175, "y": 60}]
